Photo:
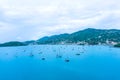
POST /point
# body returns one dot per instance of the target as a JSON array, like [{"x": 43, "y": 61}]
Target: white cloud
[{"x": 28, "y": 19}]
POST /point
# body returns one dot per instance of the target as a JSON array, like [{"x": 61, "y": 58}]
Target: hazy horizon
[
  {"x": 23, "y": 20},
  {"x": 57, "y": 34}
]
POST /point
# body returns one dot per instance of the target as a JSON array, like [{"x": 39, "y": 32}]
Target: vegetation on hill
[
  {"x": 117, "y": 45},
  {"x": 88, "y": 36},
  {"x": 14, "y": 43}
]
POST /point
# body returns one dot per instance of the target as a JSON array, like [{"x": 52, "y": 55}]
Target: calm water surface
[{"x": 93, "y": 63}]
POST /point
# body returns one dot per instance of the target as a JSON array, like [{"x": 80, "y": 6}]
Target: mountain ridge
[{"x": 88, "y": 36}]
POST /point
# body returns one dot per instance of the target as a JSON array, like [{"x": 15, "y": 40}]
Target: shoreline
[{"x": 109, "y": 45}]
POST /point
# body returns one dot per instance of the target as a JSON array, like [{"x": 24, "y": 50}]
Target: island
[
  {"x": 13, "y": 43},
  {"x": 88, "y": 36},
  {"x": 117, "y": 45}
]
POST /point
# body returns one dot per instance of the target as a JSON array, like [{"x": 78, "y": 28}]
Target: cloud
[{"x": 27, "y": 19}]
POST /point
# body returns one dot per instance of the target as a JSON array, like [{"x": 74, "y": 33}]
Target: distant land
[{"x": 88, "y": 36}]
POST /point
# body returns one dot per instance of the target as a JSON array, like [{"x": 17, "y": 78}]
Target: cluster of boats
[{"x": 58, "y": 52}]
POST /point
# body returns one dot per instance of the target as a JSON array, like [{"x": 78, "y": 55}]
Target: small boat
[
  {"x": 54, "y": 50},
  {"x": 6, "y": 53},
  {"x": 73, "y": 49},
  {"x": 40, "y": 53},
  {"x": 67, "y": 60},
  {"x": 43, "y": 58},
  {"x": 78, "y": 54},
  {"x": 16, "y": 55},
  {"x": 58, "y": 56},
  {"x": 31, "y": 55},
  {"x": 24, "y": 50}
]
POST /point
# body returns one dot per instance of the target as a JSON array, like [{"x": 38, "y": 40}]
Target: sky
[{"x": 22, "y": 20}]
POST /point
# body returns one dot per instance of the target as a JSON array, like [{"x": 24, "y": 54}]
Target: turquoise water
[{"x": 41, "y": 63}]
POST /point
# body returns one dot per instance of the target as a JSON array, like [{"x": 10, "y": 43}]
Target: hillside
[
  {"x": 13, "y": 43},
  {"x": 88, "y": 36}
]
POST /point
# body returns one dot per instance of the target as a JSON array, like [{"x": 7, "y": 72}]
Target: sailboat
[
  {"x": 78, "y": 54},
  {"x": 59, "y": 55},
  {"x": 31, "y": 54},
  {"x": 43, "y": 58},
  {"x": 67, "y": 60},
  {"x": 40, "y": 53}
]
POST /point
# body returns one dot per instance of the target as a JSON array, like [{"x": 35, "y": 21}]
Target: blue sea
[{"x": 60, "y": 62}]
